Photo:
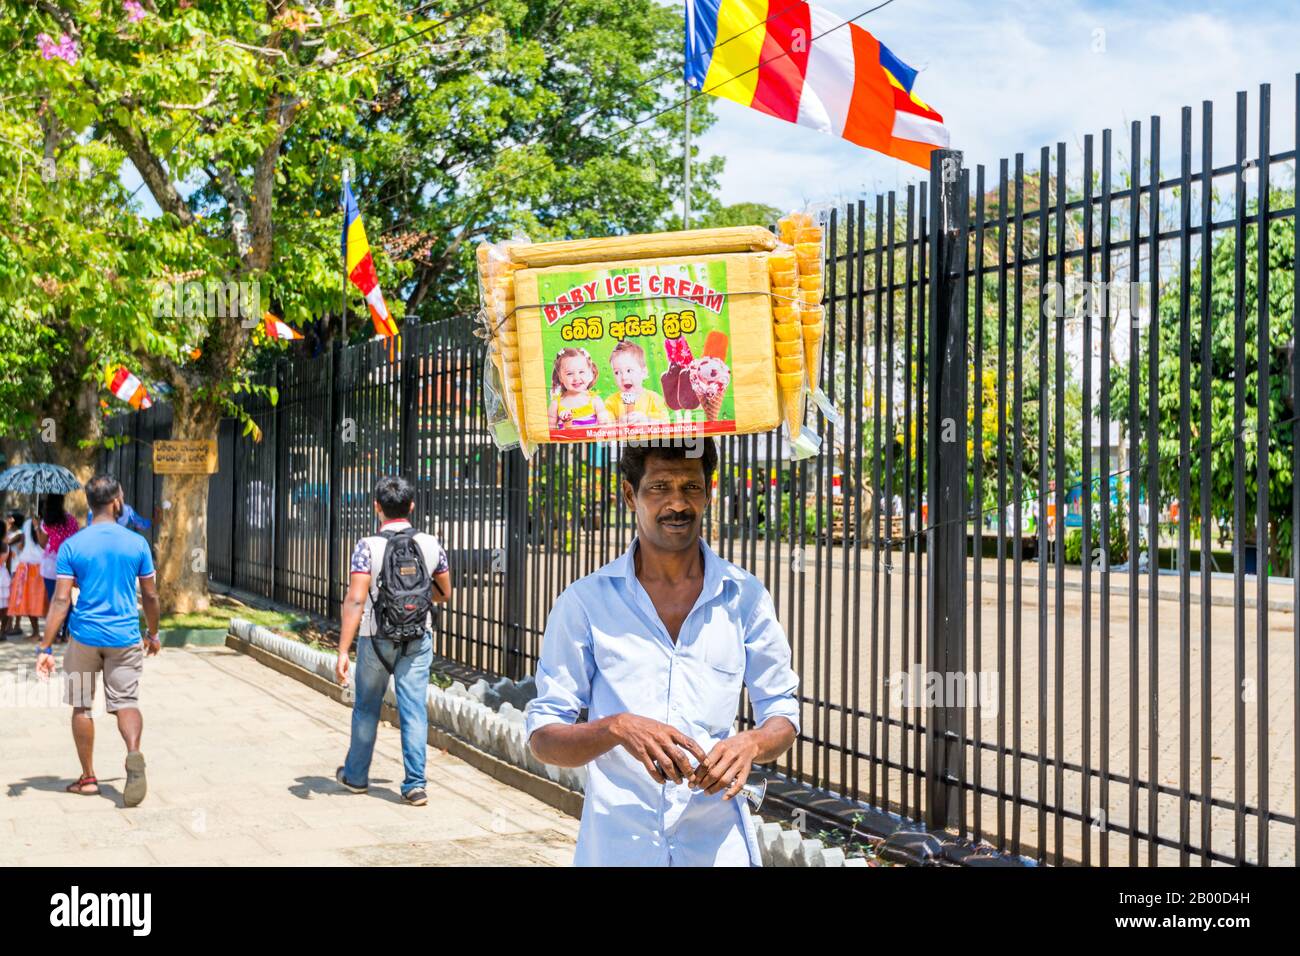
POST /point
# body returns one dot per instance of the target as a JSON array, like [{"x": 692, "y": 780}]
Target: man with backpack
[{"x": 397, "y": 577}]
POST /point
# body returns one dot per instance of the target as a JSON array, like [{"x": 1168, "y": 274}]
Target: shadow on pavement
[{"x": 305, "y": 787}]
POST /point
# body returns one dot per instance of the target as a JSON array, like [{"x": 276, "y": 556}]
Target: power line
[
  {"x": 694, "y": 96},
  {"x": 410, "y": 36}
]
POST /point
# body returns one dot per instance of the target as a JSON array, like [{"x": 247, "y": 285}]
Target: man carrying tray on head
[{"x": 656, "y": 646}]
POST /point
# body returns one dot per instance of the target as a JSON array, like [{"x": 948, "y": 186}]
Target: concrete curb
[{"x": 483, "y": 724}]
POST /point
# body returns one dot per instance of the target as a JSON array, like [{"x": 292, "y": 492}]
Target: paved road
[{"x": 241, "y": 764}]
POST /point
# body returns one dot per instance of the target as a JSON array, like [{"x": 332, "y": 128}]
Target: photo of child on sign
[
  {"x": 574, "y": 405},
  {"x": 604, "y": 388}
]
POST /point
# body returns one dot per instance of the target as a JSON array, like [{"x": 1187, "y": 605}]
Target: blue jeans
[{"x": 370, "y": 681}]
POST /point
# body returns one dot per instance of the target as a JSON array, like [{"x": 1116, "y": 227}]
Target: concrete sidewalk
[{"x": 241, "y": 772}]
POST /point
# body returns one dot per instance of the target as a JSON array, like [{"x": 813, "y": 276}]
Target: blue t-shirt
[{"x": 105, "y": 559}]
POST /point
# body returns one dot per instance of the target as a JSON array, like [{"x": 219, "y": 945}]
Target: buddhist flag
[
  {"x": 276, "y": 328},
  {"x": 361, "y": 265},
  {"x": 805, "y": 65},
  {"x": 127, "y": 387}
]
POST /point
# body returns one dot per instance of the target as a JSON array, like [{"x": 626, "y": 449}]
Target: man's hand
[
  {"x": 152, "y": 644},
  {"x": 656, "y": 745},
  {"x": 45, "y": 664},
  {"x": 727, "y": 765},
  {"x": 341, "y": 669}
]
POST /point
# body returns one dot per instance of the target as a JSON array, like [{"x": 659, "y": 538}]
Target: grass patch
[{"x": 219, "y": 616}]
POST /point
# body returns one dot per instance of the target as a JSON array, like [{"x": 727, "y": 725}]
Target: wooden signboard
[{"x": 185, "y": 457}]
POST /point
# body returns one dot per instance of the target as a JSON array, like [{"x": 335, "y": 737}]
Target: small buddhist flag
[
  {"x": 128, "y": 388},
  {"x": 277, "y": 328},
  {"x": 360, "y": 265}
]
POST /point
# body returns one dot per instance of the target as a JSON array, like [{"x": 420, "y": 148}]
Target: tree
[
  {"x": 237, "y": 117},
  {"x": 72, "y": 268},
  {"x": 1220, "y": 457},
  {"x": 739, "y": 214},
  {"x": 526, "y": 122}
]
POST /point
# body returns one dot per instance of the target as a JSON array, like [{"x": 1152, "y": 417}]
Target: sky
[{"x": 1016, "y": 75}]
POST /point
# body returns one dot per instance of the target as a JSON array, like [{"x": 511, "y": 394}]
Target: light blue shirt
[
  {"x": 106, "y": 561},
  {"x": 606, "y": 649}
]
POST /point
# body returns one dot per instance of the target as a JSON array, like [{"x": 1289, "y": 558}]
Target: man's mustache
[{"x": 676, "y": 516}]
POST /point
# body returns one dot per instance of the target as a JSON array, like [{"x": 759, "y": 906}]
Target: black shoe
[
  {"x": 416, "y": 797},
  {"x": 338, "y": 775}
]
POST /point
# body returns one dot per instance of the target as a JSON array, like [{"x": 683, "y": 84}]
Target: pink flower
[
  {"x": 65, "y": 49},
  {"x": 135, "y": 12}
]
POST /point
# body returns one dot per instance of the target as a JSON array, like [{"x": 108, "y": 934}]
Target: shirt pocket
[{"x": 725, "y": 654}]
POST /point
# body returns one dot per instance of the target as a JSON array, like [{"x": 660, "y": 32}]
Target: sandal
[{"x": 84, "y": 781}]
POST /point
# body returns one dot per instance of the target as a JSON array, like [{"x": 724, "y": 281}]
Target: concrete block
[
  {"x": 856, "y": 861},
  {"x": 786, "y": 847},
  {"x": 911, "y": 847},
  {"x": 518, "y": 745},
  {"x": 832, "y": 856},
  {"x": 809, "y": 854},
  {"x": 768, "y": 834}
]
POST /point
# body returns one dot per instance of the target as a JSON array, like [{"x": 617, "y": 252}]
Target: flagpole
[
  {"x": 686, "y": 162},
  {"x": 347, "y": 178}
]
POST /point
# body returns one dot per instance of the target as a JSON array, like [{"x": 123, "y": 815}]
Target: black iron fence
[{"x": 1031, "y": 585}]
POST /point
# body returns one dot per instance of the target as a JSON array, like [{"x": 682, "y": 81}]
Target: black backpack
[{"x": 402, "y": 602}]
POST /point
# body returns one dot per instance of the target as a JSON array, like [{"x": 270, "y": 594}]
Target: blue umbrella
[{"x": 38, "y": 478}]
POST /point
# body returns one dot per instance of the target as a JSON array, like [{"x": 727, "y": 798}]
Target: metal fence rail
[{"x": 1023, "y": 449}]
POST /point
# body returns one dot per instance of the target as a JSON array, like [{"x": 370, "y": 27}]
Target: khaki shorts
[{"x": 122, "y": 667}]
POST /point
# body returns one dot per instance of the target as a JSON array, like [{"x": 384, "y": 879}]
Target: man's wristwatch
[{"x": 44, "y": 650}]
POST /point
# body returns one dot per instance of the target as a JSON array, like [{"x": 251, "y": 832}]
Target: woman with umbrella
[
  {"x": 27, "y": 594},
  {"x": 27, "y": 597}
]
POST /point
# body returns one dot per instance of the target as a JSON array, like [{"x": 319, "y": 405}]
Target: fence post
[
  {"x": 409, "y": 412},
  {"x": 946, "y": 534},
  {"x": 336, "y": 362},
  {"x": 279, "y": 495},
  {"x": 516, "y": 541}
]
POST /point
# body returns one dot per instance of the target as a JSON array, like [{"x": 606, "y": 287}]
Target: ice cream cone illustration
[
  {"x": 712, "y": 406},
  {"x": 709, "y": 377}
]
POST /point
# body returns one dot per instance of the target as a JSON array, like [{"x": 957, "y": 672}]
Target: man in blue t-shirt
[{"x": 106, "y": 561}]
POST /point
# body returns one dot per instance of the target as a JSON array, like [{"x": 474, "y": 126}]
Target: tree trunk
[
  {"x": 182, "y": 540},
  {"x": 80, "y": 430}
]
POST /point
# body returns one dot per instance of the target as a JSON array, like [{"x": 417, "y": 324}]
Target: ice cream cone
[
  {"x": 813, "y": 336},
  {"x": 712, "y": 405},
  {"x": 791, "y": 385},
  {"x": 792, "y": 405},
  {"x": 813, "y": 362}
]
